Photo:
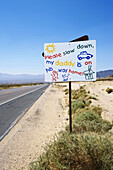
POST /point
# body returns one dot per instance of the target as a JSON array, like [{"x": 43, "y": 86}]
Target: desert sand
[
  {"x": 41, "y": 124},
  {"x": 98, "y": 90}
]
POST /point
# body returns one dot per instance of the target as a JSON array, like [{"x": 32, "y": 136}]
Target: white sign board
[{"x": 74, "y": 61}]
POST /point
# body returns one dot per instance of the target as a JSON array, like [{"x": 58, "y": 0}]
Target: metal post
[{"x": 70, "y": 114}]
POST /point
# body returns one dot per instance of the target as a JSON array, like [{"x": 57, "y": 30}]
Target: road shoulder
[{"x": 25, "y": 142}]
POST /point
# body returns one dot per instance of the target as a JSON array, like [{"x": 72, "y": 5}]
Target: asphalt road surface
[{"x": 14, "y": 103}]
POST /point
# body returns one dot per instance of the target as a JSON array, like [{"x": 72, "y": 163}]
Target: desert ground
[
  {"x": 98, "y": 90},
  {"x": 41, "y": 124}
]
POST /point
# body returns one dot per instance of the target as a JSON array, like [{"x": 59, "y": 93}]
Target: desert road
[{"x": 14, "y": 103}]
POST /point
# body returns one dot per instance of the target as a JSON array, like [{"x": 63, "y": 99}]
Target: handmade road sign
[{"x": 74, "y": 61}]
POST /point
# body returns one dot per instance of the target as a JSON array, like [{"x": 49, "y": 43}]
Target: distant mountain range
[
  {"x": 26, "y": 78},
  {"x": 20, "y": 78},
  {"x": 105, "y": 73}
]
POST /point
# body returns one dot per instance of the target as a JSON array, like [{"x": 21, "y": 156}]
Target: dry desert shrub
[
  {"x": 109, "y": 90},
  {"x": 88, "y": 147}
]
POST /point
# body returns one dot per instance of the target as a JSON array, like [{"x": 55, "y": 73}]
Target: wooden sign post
[
  {"x": 83, "y": 38},
  {"x": 70, "y": 113}
]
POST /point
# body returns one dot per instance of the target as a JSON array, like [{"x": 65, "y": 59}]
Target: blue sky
[{"x": 25, "y": 25}]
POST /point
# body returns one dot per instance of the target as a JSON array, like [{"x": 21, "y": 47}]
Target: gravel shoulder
[{"x": 40, "y": 125}]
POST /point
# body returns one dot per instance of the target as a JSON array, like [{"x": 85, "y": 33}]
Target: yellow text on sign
[{"x": 66, "y": 63}]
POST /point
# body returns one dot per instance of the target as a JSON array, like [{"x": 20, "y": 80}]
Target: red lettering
[
  {"x": 50, "y": 57},
  {"x": 88, "y": 62},
  {"x": 82, "y": 73},
  {"x": 53, "y": 56},
  {"x": 45, "y": 57},
  {"x": 69, "y": 70},
  {"x": 76, "y": 72},
  {"x": 59, "y": 55}
]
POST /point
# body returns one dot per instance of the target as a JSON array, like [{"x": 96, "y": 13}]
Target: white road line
[
  {"x": 13, "y": 124},
  {"x": 21, "y": 95}
]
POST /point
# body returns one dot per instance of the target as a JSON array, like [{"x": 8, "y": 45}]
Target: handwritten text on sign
[{"x": 75, "y": 61}]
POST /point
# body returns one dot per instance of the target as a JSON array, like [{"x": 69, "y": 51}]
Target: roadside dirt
[
  {"x": 98, "y": 90},
  {"x": 40, "y": 125}
]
